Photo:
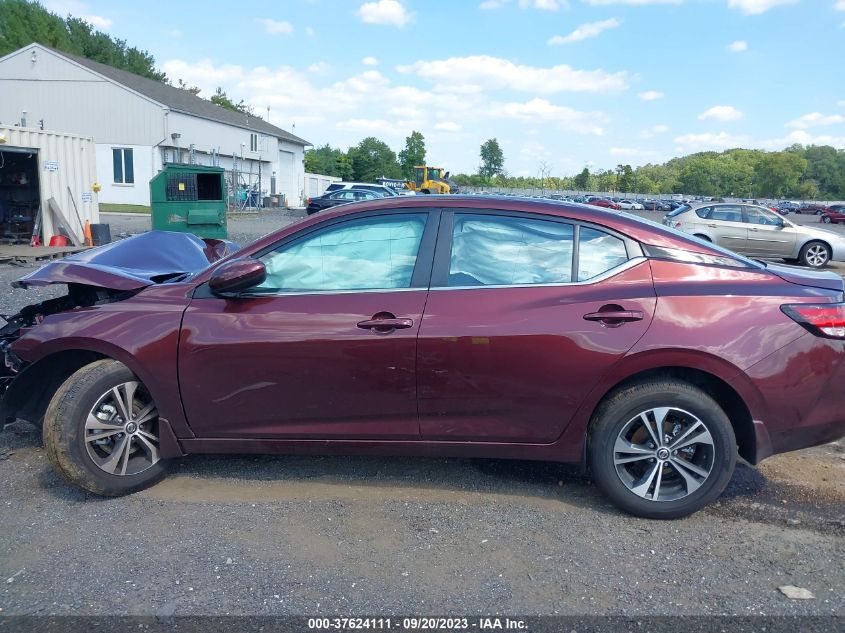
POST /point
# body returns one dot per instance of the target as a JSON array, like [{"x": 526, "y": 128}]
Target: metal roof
[{"x": 180, "y": 100}]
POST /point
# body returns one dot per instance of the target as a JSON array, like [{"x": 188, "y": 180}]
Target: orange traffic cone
[{"x": 89, "y": 241}]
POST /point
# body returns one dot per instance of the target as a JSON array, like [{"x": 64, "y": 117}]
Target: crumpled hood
[{"x": 134, "y": 263}]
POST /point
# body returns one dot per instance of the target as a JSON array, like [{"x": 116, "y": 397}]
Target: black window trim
[{"x": 443, "y": 248}]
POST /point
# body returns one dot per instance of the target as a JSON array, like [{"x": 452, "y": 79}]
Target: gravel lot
[{"x": 341, "y": 535}]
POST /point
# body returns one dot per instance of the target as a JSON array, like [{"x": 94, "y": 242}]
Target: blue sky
[{"x": 567, "y": 83}]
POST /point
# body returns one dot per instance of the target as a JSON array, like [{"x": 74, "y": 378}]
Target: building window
[
  {"x": 124, "y": 168},
  {"x": 253, "y": 142}
]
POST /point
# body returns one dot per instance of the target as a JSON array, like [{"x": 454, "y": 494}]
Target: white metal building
[{"x": 139, "y": 124}]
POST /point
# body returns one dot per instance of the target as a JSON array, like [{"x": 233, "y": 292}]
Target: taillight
[
  {"x": 826, "y": 319},
  {"x": 309, "y": 201}
]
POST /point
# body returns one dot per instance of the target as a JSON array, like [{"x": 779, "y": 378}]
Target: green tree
[
  {"x": 22, "y": 23},
  {"x": 492, "y": 159},
  {"x": 372, "y": 159},
  {"x": 413, "y": 154},
  {"x": 582, "y": 180},
  {"x": 221, "y": 99},
  {"x": 778, "y": 173}
]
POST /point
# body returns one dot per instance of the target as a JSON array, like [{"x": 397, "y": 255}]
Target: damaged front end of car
[{"x": 108, "y": 274}]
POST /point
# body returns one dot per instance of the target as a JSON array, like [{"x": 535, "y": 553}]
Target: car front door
[
  {"x": 768, "y": 234},
  {"x": 326, "y": 346},
  {"x": 524, "y": 316},
  {"x": 725, "y": 223}
]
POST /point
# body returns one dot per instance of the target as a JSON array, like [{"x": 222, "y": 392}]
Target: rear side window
[
  {"x": 598, "y": 252},
  {"x": 726, "y": 213},
  {"x": 703, "y": 212},
  {"x": 504, "y": 251}
]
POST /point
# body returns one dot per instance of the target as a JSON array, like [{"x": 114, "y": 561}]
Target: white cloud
[
  {"x": 702, "y": 142},
  {"x": 804, "y": 138},
  {"x": 738, "y": 46},
  {"x": 276, "y": 27},
  {"x": 564, "y": 117},
  {"x": 815, "y": 119},
  {"x": 841, "y": 104},
  {"x": 585, "y": 31},
  {"x": 447, "y": 126},
  {"x": 391, "y": 12},
  {"x": 319, "y": 67},
  {"x": 654, "y": 130},
  {"x": 721, "y": 113},
  {"x": 650, "y": 95},
  {"x": 79, "y": 10},
  {"x": 309, "y": 31},
  {"x": 545, "y": 5},
  {"x": 369, "y": 61},
  {"x": 756, "y": 7},
  {"x": 478, "y": 72},
  {"x": 488, "y": 5},
  {"x": 839, "y": 6},
  {"x": 603, "y": 3}
]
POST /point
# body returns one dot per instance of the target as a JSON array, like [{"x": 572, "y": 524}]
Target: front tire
[
  {"x": 826, "y": 219},
  {"x": 662, "y": 449},
  {"x": 101, "y": 431}
]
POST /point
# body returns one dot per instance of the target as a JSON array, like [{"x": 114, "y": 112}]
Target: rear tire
[
  {"x": 101, "y": 431},
  {"x": 815, "y": 254},
  {"x": 689, "y": 467},
  {"x": 826, "y": 219}
]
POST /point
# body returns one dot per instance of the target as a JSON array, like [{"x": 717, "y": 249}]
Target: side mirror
[{"x": 236, "y": 276}]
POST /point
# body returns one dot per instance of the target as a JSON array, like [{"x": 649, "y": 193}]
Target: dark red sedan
[
  {"x": 834, "y": 215},
  {"x": 605, "y": 204},
  {"x": 459, "y": 326}
]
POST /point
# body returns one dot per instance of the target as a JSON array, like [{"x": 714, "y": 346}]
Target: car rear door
[
  {"x": 768, "y": 234},
  {"x": 725, "y": 223},
  {"x": 525, "y": 314},
  {"x": 326, "y": 346}
]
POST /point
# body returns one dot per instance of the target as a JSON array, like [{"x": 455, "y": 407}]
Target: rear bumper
[{"x": 803, "y": 388}]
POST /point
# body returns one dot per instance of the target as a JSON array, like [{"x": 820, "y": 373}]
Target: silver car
[{"x": 758, "y": 232}]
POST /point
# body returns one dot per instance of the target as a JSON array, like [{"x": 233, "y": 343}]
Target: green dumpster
[{"x": 189, "y": 199}]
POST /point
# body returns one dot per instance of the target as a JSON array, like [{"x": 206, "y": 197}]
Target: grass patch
[{"x": 124, "y": 208}]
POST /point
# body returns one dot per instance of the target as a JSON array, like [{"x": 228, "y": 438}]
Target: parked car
[
  {"x": 785, "y": 206},
  {"x": 385, "y": 192},
  {"x": 758, "y": 232},
  {"x": 459, "y": 326},
  {"x": 811, "y": 208},
  {"x": 605, "y": 203},
  {"x": 835, "y": 214},
  {"x": 341, "y": 196},
  {"x": 630, "y": 205}
]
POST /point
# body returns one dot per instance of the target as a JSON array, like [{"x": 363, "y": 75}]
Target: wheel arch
[{"x": 720, "y": 390}]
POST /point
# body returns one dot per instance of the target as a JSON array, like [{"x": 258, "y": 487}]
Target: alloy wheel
[
  {"x": 121, "y": 430},
  {"x": 817, "y": 255},
  {"x": 664, "y": 454}
]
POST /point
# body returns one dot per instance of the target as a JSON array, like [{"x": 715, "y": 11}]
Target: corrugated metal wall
[{"x": 64, "y": 161}]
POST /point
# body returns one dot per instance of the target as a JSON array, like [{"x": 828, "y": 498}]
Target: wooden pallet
[{"x": 26, "y": 254}]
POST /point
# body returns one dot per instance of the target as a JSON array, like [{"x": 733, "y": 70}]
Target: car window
[
  {"x": 500, "y": 251},
  {"x": 342, "y": 195},
  {"x": 598, "y": 252},
  {"x": 703, "y": 212},
  {"x": 756, "y": 215},
  {"x": 364, "y": 254},
  {"x": 334, "y": 187},
  {"x": 726, "y": 213}
]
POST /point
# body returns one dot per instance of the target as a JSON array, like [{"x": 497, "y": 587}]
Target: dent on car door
[
  {"x": 326, "y": 346},
  {"x": 525, "y": 314}
]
